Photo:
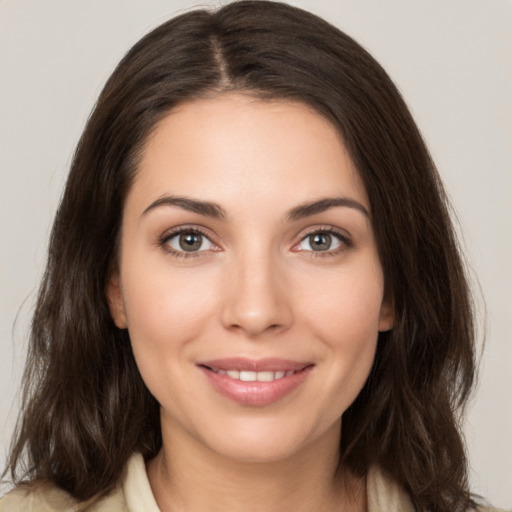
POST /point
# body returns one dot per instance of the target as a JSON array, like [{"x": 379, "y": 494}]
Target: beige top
[{"x": 134, "y": 495}]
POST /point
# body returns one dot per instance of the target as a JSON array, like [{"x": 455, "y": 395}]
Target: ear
[
  {"x": 387, "y": 315},
  {"x": 115, "y": 300}
]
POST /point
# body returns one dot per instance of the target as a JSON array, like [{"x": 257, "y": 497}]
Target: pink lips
[{"x": 285, "y": 377}]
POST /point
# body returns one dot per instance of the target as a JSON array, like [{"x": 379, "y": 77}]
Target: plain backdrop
[{"x": 451, "y": 60}]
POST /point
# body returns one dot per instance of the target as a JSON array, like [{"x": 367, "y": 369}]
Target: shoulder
[
  {"x": 384, "y": 494},
  {"x": 133, "y": 492},
  {"x": 45, "y": 497},
  {"x": 37, "y": 496},
  {"x": 488, "y": 508}
]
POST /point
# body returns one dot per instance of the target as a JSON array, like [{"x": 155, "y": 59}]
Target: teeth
[
  {"x": 248, "y": 376},
  {"x": 266, "y": 376}
]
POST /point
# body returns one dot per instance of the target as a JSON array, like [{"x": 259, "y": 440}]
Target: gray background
[{"x": 452, "y": 61}]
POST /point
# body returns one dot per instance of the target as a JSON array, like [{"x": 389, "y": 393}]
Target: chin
[
  {"x": 258, "y": 451},
  {"x": 268, "y": 441}
]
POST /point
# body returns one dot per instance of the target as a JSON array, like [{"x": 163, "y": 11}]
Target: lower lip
[{"x": 256, "y": 394}]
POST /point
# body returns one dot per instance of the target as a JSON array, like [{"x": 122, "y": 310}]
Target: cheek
[
  {"x": 344, "y": 315},
  {"x": 165, "y": 309},
  {"x": 166, "y": 313},
  {"x": 347, "y": 304}
]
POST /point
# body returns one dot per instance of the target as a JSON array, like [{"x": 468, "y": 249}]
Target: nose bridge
[{"x": 257, "y": 298}]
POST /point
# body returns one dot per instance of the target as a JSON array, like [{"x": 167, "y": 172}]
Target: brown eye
[
  {"x": 189, "y": 241},
  {"x": 321, "y": 241}
]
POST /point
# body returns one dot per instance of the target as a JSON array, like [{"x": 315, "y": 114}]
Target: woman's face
[{"x": 248, "y": 277}]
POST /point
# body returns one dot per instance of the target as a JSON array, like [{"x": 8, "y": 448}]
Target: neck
[{"x": 187, "y": 476}]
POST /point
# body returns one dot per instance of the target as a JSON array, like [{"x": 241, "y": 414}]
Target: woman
[{"x": 254, "y": 297}]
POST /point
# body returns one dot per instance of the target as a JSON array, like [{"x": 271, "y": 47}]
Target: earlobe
[
  {"x": 115, "y": 300},
  {"x": 387, "y": 316}
]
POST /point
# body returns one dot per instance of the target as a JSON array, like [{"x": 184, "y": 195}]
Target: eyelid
[
  {"x": 342, "y": 235},
  {"x": 324, "y": 228},
  {"x": 186, "y": 228}
]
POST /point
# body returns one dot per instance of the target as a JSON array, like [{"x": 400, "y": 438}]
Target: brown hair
[{"x": 86, "y": 408}]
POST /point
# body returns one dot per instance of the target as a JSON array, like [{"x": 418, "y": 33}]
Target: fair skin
[{"x": 257, "y": 277}]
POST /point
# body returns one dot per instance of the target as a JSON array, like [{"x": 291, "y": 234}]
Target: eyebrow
[
  {"x": 322, "y": 205},
  {"x": 216, "y": 211},
  {"x": 192, "y": 205}
]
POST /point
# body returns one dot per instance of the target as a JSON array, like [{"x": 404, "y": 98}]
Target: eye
[
  {"x": 322, "y": 241},
  {"x": 188, "y": 241}
]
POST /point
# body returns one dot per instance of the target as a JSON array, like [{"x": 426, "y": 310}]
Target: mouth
[
  {"x": 255, "y": 383},
  {"x": 249, "y": 376}
]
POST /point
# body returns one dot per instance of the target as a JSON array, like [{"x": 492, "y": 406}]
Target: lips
[
  {"x": 249, "y": 376},
  {"x": 255, "y": 383}
]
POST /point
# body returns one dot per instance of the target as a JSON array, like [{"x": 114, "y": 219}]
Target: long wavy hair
[{"x": 85, "y": 406}]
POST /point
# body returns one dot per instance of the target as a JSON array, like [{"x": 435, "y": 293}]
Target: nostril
[{"x": 256, "y": 309}]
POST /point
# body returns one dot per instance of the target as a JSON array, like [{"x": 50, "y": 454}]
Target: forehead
[{"x": 233, "y": 145}]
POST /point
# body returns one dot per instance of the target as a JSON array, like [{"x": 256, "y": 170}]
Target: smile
[
  {"x": 248, "y": 376},
  {"x": 255, "y": 383}
]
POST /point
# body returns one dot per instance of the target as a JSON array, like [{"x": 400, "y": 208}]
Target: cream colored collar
[{"x": 384, "y": 494}]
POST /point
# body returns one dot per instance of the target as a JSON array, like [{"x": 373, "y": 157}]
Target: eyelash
[
  {"x": 164, "y": 242},
  {"x": 346, "y": 243}
]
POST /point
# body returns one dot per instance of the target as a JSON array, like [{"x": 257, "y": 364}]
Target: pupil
[
  {"x": 190, "y": 241},
  {"x": 320, "y": 242}
]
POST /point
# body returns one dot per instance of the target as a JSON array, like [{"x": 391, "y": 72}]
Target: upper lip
[{"x": 255, "y": 365}]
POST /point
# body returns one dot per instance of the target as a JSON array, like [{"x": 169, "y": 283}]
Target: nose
[{"x": 257, "y": 299}]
